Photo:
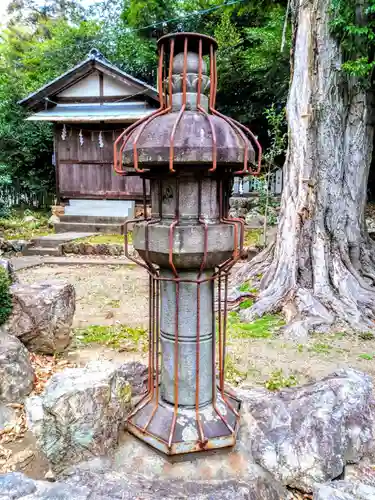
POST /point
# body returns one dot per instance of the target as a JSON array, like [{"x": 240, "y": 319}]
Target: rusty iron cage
[{"x": 187, "y": 407}]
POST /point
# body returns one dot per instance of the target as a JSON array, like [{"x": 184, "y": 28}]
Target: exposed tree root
[{"x": 346, "y": 299}]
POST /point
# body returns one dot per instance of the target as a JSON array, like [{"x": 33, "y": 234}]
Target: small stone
[
  {"x": 29, "y": 218},
  {"x": 42, "y": 315},
  {"x": 137, "y": 375},
  {"x": 50, "y": 476},
  {"x": 54, "y": 219},
  {"x": 89, "y": 249},
  {"x": 16, "y": 372},
  {"x": 91, "y": 404}
]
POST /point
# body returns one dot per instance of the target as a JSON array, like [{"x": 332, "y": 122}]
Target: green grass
[
  {"x": 14, "y": 227},
  {"x": 115, "y": 336},
  {"x": 114, "y": 303},
  {"x": 232, "y": 374},
  {"x": 246, "y": 304},
  {"x": 320, "y": 348},
  {"x": 278, "y": 380},
  {"x": 368, "y": 357},
  {"x": 252, "y": 237},
  {"x": 105, "y": 239},
  {"x": 247, "y": 288},
  {"x": 263, "y": 327}
]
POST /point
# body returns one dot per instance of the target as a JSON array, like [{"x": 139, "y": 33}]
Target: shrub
[{"x": 5, "y": 296}]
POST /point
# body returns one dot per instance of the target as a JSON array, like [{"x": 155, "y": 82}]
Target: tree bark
[{"x": 321, "y": 268}]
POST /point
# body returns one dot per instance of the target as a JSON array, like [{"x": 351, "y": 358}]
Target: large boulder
[
  {"x": 80, "y": 413},
  {"x": 307, "y": 435},
  {"x": 134, "y": 467},
  {"x": 344, "y": 490},
  {"x": 42, "y": 315},
  {"x": 16, "y": 372},
  {"x": 16, "y": 486},
  {"x": 111, "y": 486}
]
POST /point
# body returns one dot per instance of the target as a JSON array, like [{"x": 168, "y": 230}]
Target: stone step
[
  {"x": 92, "y": 219},
  {"x": 64, "y": 227},
  {"x": 43, "y": 251},
  {"x": 54, "y": 240},
  {"x": 101, "y": 208}
]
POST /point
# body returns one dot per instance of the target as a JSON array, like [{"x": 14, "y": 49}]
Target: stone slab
[
  {"x": 20, "y": 263},
  {"x": 63, "y": 237}
]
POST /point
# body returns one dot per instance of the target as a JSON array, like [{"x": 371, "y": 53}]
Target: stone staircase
[
  {"x": 52, "y": 244},
  {"x": 90, "y": 224}
]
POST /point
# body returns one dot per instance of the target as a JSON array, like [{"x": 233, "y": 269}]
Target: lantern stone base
[{"x": 219, "y": 425}]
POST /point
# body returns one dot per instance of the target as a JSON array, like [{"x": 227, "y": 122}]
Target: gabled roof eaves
[{"x": 68, "y": 78}]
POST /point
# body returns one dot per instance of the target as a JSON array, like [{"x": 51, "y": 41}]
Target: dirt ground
[
  {"x": 110, "y": 295},
  {"x": 117, "y": 295}
]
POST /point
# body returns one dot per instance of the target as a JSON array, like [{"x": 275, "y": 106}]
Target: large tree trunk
[{"x": 321, "y": 268}]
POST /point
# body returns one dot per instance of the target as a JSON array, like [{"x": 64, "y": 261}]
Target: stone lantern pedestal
[{"x": 189, "y": 153}]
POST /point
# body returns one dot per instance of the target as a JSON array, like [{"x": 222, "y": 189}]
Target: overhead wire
[{"x": 184, "y": 16}]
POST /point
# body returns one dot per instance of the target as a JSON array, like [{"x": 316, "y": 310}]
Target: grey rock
[
  {"x": 255, "y": 220},
  {"x": 54, "y": 219},
  {"x": 16, "y": 372},
  {"x": 80, "y": 413},
  {"x": 137, "y": 375},
  {"x": 306, "y": 435},
  {"x": 111, "y": 486},
  {"x": 344, "y": 490},
  {"x": 19, "y": 245},
  {"x": 15, "y": 485},
  {"x": 240, "y": 202},
  {"x": 363, "y": 472},
  {"x": 42, "y": 315},
  {"x": 5, "y": 246},
  {"x": 229, "y": 474},
  {"x": 7, "y": 416}
]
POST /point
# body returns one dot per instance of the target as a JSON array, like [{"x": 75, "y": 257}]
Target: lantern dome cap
[{"x": 194, "y": 38}]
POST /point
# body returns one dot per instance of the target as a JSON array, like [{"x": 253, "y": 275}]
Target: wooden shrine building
[{"x": 90, "y": 105}]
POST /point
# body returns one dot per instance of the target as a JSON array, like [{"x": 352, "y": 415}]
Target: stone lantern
[{"x": 189, "y": 154}]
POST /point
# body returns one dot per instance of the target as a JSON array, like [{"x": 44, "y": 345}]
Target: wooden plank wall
[{"x": 86, "y": 171}]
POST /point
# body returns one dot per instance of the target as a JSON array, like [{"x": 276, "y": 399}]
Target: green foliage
[
  {"x": 232, "y": 374},
  {"x": 252, "y": 237},
  {"x": 278, "y": 380},
  {"x": 354, "y": 26},
  {"x": 14, "y": 227},
  {"x": 40, "y": 41},
  {"x": 105, "y": 239},
  {"x": 5, "y": 297}
]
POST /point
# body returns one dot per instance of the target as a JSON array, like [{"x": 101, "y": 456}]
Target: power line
[{"x": 186, "y": 16}]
